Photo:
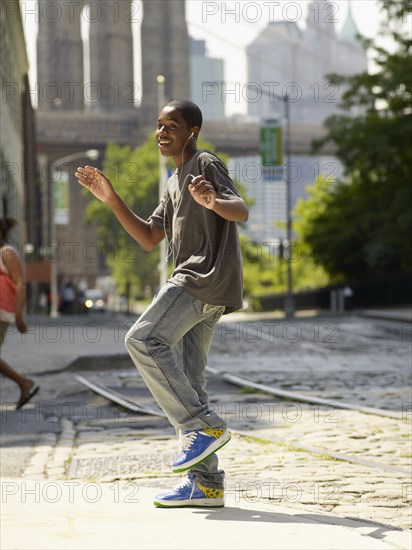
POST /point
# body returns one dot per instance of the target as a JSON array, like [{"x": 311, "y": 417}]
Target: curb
[{"x": 52, "y": 452}]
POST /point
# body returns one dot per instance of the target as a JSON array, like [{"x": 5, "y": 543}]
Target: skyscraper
[
  {"x": 207, "y": 76},
  {"x": 296, "y": 61}
]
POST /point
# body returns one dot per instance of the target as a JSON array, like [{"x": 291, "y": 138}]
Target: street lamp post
[
  {"x": 91, "y": 154},
  {"x": 162, "y": 177},
  {"x": 289, "y": 305}
]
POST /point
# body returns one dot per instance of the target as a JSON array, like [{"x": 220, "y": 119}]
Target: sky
[{"x": 227, "y": 26}]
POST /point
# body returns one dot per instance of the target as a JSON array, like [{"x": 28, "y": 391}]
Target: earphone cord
[{"x": 169, "y": 251}]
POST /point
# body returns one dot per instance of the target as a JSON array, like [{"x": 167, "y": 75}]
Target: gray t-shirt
[{"x": 206, "y": 252}]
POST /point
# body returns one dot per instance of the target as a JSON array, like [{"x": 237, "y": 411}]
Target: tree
[
  {"x": 361, "y": 227},
  {"x": 265, "y": 269}
]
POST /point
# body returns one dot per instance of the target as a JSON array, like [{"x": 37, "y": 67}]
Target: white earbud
[{"x": 192, "y": 135}]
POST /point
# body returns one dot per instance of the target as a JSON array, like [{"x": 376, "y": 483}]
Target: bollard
[
  {"x": 341, "y": 301},
  {"x": 333, "y": 301}
]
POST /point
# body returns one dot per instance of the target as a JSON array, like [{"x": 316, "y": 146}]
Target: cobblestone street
[{"x": 348, "y": 359}]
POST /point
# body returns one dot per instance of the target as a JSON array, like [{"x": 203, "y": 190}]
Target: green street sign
[
  {"x": 271, "y": 144},
  {"x": 61, "y": 199}
]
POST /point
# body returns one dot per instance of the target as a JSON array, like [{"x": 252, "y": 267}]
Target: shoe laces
[
  {"x": 187, "y": 440},
  {"x": 187, "y": 482}
]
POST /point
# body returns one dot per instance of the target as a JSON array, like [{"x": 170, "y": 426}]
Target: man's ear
[{"x": 195, "y": 132}]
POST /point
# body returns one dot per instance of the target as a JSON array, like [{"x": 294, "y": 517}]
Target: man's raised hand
[{"x": 96, "y": 182}]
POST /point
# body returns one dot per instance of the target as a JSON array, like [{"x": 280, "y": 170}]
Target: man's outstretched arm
[{"x": 96, "y": 182}]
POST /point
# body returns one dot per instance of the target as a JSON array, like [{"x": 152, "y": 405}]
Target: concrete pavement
[{"x": 54, "y": 515}]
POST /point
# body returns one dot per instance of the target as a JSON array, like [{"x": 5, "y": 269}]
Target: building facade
[
  {"x": 267, "y": 187},
  {"x": 285, "y": 59},
  {"x": 207, "y": 75},
  {"x": 19, "y": 196}
]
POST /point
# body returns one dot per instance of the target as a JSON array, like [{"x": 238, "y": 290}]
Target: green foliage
[
  {"x": 361, "y": 227},
  {"x": 265, "y": 272},
  {"x": 326, "y": 229}
]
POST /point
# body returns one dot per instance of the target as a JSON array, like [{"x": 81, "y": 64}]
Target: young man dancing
[{"x": 169, "y": 343}]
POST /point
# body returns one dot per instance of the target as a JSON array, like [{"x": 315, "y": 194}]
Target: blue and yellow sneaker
[
  {"x": 191, "y": 493},
  {"x": 198, "y": 445}
]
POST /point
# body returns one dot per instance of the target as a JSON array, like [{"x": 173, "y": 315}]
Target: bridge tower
[{"x": 165, "y": 51}]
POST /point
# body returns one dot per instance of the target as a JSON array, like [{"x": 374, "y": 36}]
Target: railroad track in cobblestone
[
  {"x": 133, "y": 406},
  {"x": 245, "y": 383}
]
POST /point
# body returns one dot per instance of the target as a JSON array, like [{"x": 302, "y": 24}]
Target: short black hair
[
  {"x": 5, "y": 225},
  {"x": 191, "y": 113}
]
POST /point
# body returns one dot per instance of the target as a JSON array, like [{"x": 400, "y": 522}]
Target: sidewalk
[
  {"x": 73, "y": 515},
  {"x": 403, "y": 314},
  {"x": 84, "y": 342}
]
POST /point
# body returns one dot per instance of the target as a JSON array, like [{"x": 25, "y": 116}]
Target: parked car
[{"x": 94, "y": 300}]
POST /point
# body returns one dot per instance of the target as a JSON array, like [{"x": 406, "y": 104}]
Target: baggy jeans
[{"x": 169, "y": 345}]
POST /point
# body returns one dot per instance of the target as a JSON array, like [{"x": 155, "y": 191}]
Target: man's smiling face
[{"x": 172, "y": 134}]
